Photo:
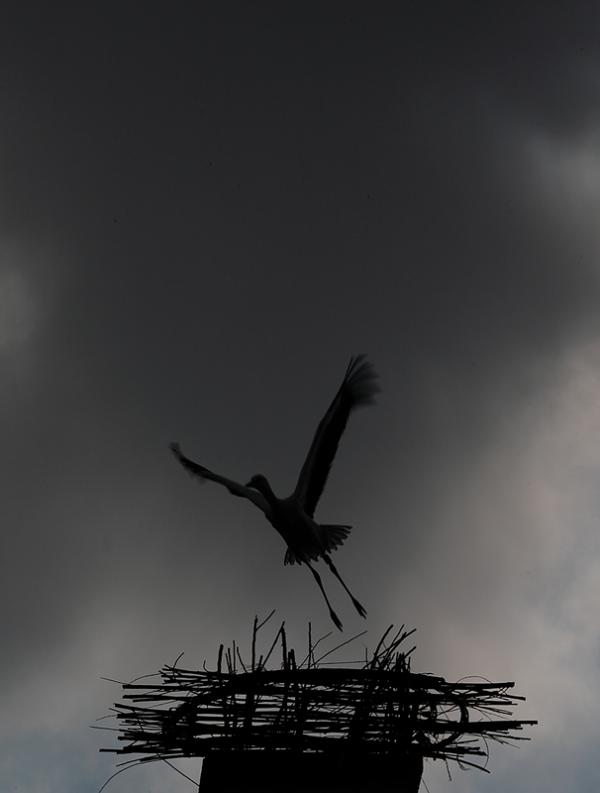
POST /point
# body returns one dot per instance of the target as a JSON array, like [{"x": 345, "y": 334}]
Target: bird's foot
[
  {"x": 336, "y": 620},
  {"x": 360, "y": 608}
]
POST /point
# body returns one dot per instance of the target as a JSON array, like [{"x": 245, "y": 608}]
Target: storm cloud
[{"x": 203, "y": 215}]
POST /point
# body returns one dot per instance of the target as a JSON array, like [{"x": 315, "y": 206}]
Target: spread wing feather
[
  {"x": 358, "y": 388},
  {"x": 203, "y": 473}
]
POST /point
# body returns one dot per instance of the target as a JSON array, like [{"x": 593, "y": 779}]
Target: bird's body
[
  {"x": 306, "y": 539},
  {"x": 302, "y": 534},
  {"x": 292, "y": 517}
]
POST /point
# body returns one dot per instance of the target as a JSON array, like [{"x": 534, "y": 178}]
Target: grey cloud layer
[{"x": 216, "y": 212}]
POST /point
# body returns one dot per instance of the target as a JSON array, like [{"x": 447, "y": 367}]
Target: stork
[{"x": 293, "y": 517}]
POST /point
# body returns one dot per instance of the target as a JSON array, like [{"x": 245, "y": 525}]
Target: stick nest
[{"x": 376, "y": 706}]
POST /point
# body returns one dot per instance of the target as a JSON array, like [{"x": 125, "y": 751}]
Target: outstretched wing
[
  {"x": 234, "y": 487},
  {"x": 358, "y": 388}
]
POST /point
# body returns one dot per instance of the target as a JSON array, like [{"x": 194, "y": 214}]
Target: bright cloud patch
[
  {"x": 567, "y": 179},
  {"x": 17, "y": 308}
]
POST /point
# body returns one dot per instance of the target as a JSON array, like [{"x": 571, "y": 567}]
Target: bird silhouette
[{"x": 307, "y": 541}]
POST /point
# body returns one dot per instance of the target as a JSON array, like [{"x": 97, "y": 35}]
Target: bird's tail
[{"x": 333, "y": 535}]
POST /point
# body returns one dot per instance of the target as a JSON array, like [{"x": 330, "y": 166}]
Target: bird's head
[{"x": 260, "y": 483}]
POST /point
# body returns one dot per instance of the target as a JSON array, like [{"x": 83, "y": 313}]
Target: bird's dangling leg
[
  {"x": 334, "y": 616},
  {"x": 360, "y": 608}
]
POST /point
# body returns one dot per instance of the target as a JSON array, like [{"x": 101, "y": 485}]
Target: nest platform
[{"x": 361, "y": 711}]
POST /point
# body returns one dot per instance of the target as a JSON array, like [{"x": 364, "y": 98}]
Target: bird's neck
[{"x": 265, "y": 489}]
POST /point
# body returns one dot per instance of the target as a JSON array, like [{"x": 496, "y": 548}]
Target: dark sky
[{"x": 204, "y": 211}]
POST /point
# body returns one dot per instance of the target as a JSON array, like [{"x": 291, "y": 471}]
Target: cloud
[
  {"x": 513, "y": 577},
  {"x": 236, "y": 206},
  {"x": 18, "y": 309}
]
